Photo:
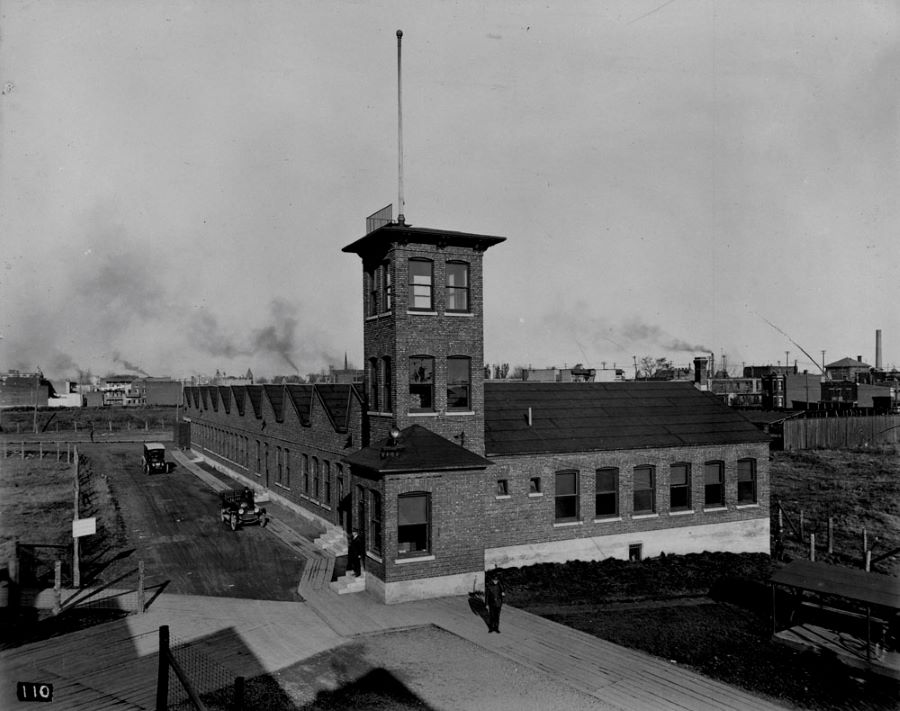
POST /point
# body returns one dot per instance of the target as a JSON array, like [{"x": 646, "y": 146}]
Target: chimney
[
  {"x": 859, "y": 359},
  {"x": 878, "y": 349},
  {"x": 700, "y": 373}
]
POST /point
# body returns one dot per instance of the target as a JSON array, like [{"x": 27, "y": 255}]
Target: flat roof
[{"x": 848, "y": 583}]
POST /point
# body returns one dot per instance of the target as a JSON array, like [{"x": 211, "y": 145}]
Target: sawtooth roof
[
  {"x": 583, "y": 417},
  {"x": 417, "y": 449}
]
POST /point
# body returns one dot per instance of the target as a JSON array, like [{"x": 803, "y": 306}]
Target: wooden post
[
  {"x": 865, "y": 542},
  {"x": 868, "y": 561},
  {"x": 830, "y": 535},
  {"x": 57, "y": 444},
  {"x": 140, "y": 590},
  {"x": 76, "y": 563},
  {"x": 162, "y": 676},
  {"x": 238, "y": 693},
  {"x": 802, "y": 534},
  {"x": 812, "y": 547},
  {"x": 109, "y": 422},
  {"x": 57, "y": 587}
]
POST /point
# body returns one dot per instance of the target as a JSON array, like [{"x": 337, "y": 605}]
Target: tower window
[
  {"x": 372, "y": 292},
  {"x": 421, "y": 283},
  {"x": 458, "y": 380},
  {"x": 387, "y": 287},
  {"x": 386, "y": 401},
  {"x": 457, "y": 286},
  {"x": 372, "y": 384},
  {"x": 421, "y": 383}
]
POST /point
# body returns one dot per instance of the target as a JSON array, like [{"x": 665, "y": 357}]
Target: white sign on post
[{"x": 84, "y": 527}]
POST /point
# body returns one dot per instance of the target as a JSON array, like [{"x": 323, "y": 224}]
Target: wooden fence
[{"x": 842, "y": 432}]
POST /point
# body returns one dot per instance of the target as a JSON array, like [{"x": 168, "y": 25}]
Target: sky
[{"x": 177, "y": 179}]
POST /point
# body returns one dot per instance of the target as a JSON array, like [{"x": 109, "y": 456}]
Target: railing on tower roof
[{"x": 382, "y": 217}]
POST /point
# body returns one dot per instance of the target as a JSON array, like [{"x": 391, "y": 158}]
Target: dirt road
[{"x": 171, "y": 522}]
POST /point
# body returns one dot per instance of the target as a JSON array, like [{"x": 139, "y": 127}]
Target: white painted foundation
[
  {"x": 423, "y": 588},
  {"x": 750, "y": 536}
]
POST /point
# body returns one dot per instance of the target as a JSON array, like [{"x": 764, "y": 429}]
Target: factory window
[
  {"x": 326, "y": 481},
  {"x": 421, "y": 383},
  {"x": 746, "y": 481},
  {"x": 458, "y": 376},
  {"x": 567, "y": 497},
  {"x": 386, "y": 400},
  {"x": 414, "y": 524},
  {"x": 421, "y": 285},
  {"x": 644, "y": 490},
  {"x": 304, "y": 465},
  {"x": 314, "y": 475},
  {"x": 714, "y": 483},
  {"x": 534, "y": 485},
  {"x": 278, "y": 470},
  {"x": 502, "y": 487},
  {"x": 607, "y": 492},
  {"x": 457, "y": 286},
  {"x": 680, "y": 487},
  {"x": 287, "y": 469}
]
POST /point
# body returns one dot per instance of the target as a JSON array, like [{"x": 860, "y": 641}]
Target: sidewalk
[{"x": 262, "y": 637}]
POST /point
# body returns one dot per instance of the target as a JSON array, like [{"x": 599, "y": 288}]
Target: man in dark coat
[
  {"x": 355, "y": 553},
  {"x": 493, "y": 597}
]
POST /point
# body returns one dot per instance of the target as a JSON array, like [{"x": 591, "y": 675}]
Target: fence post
[
  {"x": 238, "y": 693},
  {"x": 140, "y": 590},
  {"x": 76, "y": 554},
  {"x": 812, "y": 547},
  {"x": 830, "y": 535},
  {"x": 57, "y": 587},
  {"x": 868, "y": 561},
  {"x": 23, "y": 449},
  {"x": 865, "y": 543},
  {"x": 802, "y": 533},
  {"x": 162, "y": 676}
]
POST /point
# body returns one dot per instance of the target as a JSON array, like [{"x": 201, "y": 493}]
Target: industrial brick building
[{"x": 447, "y": 474}]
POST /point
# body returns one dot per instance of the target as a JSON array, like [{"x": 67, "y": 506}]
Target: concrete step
[
  {"x": 334, "y": 541},
  {"x": 349, "y": 583}
]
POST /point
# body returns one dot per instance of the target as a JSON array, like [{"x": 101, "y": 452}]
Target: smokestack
[{"x": 878, "y": 349}]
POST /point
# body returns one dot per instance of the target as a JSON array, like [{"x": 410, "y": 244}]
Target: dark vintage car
[
  {"x": 241, "y": 508},
  {"x": 153, "y": 458}
]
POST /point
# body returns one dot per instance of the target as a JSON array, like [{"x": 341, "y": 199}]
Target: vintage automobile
[
  {"x": 154, "y": 458},
  {"x": 240, "y": 507}
]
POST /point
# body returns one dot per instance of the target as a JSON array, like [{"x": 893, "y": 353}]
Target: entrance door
[{"x": 360, "y": 510}]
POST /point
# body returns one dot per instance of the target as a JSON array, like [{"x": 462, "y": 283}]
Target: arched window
[
  {"x": 421, "y": 285},
  {"x": 457, "y": 287}
]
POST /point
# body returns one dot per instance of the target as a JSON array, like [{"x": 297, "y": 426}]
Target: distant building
[
  {"x": 847, "y": 369},
  {"x": 19, "y": 389}
]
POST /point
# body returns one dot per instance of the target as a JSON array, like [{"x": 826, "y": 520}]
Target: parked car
[
  {"x": 240, "y": 508},
  {"x": 154, "y": 458}
]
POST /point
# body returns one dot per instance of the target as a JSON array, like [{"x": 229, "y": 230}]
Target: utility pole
[{"x": 36, "y": 381}]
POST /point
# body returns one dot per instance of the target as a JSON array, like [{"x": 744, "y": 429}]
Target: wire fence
[{"x": 190, "y": 680}]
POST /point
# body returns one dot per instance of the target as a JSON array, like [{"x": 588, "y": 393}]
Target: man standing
[
  {"x": 354, "y": 554},
  {"x": 493, "y": 596}
]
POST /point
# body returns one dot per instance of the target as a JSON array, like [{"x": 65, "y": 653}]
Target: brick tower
[{"x": 423, "y": 333}]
